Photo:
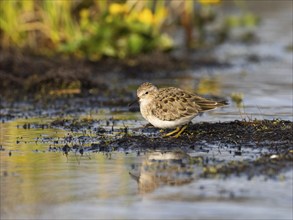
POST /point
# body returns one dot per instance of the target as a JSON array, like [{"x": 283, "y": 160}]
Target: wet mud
[
  {"x": 33, "y": 77},
  {"x": 250, "y": 148},
  {"x": 56, "y": 87}
]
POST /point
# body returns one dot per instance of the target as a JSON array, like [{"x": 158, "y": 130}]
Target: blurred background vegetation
[{"x": 93, "y": 29}]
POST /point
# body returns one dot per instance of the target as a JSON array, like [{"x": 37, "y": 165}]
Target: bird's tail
[{"x": 206, "y": 104}]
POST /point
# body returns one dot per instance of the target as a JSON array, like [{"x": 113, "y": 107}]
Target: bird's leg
[
  {"x": 181, "y": 131},
  {"x": 172, "y": 132}
]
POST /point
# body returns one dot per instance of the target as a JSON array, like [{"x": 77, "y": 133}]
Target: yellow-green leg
[
  {"x": 172, "y": 132},
  {"x": 177, "y": 132},
  {"x": 181, "y": 131}
]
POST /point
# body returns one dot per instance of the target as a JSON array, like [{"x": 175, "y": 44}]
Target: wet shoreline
[{"x": 71, "y": 147}]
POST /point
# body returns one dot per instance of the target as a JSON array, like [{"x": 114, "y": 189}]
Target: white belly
[
  {"x": 145, "y": 112},
  {"x": 169, "y": 124}
]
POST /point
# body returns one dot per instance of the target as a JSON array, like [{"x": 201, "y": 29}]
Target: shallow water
[{"x": 39, "y": 184}]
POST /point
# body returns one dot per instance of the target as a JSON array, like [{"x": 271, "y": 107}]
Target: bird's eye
[{"x": 147, "y": 93}]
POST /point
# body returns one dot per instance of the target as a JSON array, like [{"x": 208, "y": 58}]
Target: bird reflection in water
[{"x": 171, "y": 168}]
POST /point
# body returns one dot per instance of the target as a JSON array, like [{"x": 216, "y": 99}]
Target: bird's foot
[{"x": 177, "y": 132}]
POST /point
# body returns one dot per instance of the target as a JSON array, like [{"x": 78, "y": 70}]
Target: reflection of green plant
[
  {"x": 289, "y": 48},
  {"x": 243, "y": 24},
  {"x": 237, "y": 98},
  {"x": 209, "y": 85},
  {"x": 201, "y": 18},
  {"x": 198, "y": 15}
]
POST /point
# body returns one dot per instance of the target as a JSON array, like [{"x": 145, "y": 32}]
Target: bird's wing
[
  {"x": 207, "y": 104},
  {"x": 173, "y": 103}
]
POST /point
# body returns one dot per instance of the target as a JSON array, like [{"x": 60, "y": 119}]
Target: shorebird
[{"x": 172, "y": 107}]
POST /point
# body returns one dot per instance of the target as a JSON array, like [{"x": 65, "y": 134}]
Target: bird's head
[{"x": 146, "y": 92}]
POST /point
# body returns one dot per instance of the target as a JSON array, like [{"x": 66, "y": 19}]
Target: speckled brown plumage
[
  {"x": 171, "y": 107},
  {"x": 173, "y": 103}
]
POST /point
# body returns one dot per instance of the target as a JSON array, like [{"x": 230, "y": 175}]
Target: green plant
[
  {"x": 121, "y": 31},
  {"x": 98, "y": 28}
]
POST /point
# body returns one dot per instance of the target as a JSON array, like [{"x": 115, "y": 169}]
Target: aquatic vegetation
[
  {"x": 237, "y": 98},
  {"x": 121, "y": 31},
  {"x": 94, "y": 29}
]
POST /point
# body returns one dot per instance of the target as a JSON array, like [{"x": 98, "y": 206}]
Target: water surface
[{"x": 39, "y": 184}]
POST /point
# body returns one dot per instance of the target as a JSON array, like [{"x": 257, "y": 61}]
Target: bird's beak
[
  {"x": 134, "y": 106},
  {"x": 134, "y": 102}
]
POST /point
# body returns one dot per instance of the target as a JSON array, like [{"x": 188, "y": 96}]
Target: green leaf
[{"x": 135, "y": 43}]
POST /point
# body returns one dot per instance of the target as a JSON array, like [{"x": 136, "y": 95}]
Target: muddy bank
[
  {"x": 238, "y": 133},
  {"x": 24, "y": 75},
  {"x": 232, "y": 148},
  {"x": 258, "y": 147}
]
